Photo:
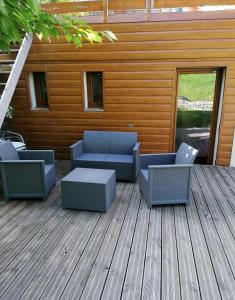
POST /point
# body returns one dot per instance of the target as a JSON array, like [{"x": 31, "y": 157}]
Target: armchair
[
  {"x": 27, "y": 173},
  {"x": 166, "y": 178}
]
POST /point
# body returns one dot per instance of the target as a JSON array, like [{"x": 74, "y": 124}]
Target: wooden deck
[{"x": 131, "y": 252}]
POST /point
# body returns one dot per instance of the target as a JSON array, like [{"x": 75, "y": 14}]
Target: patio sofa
[
  {"x": 117, "y": 151},
  {"x": 26, "y": 173},
  {"x": 166, "y": 178}
]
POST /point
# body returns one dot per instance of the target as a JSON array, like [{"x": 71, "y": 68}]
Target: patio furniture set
[{"x": 97, "y": 162}]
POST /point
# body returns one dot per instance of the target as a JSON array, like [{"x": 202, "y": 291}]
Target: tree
[{"x": 18, "y": 17}]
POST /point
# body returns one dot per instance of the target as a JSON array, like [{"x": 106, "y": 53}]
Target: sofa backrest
[
  {"x": 107, "y": 142},
  {"x": 96, "y": 141},
  {"x": 122, "y": 142},
  {"x": 185, "y": 155},
  {"x": 8, "y": 151}
]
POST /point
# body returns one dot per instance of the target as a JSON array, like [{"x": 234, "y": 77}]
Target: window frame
[
  {"x": 34, "y": 102},
  {"x": 86, "y": 92}
]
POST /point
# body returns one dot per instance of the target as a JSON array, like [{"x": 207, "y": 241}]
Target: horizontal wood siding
[{"x": 139, "y": 83}]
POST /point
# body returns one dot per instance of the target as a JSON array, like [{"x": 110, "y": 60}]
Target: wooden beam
[{"x": 106, "y": 10}]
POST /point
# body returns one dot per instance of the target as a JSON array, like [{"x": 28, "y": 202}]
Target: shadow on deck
[{"x": 131, "y": 252}]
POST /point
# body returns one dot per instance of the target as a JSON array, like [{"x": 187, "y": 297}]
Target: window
[
  {"x": 38, "y": 90},
  {"x": 93, "y": 90}
]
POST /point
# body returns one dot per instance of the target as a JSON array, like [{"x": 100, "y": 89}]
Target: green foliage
[
  {"x": 193, "y": 118},
  {"x": 18, "y": 17},
  {"x": 197, "y": 87}
]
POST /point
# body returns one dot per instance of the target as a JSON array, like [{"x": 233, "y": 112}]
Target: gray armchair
[
  {"x": 27, "y": 173},
  {"x": 166, "y": 178}
]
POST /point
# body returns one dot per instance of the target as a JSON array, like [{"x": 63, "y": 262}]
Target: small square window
[
  {"x": 93, "y": 90},
  {"x": 38, "y": 90}
]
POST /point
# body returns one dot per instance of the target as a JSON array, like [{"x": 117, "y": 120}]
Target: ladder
[{"x": 10, "y": 70}]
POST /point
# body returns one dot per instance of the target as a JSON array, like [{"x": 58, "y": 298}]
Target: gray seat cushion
[
  {"x": 185, "y": 155},
  {"x": 96, "y": 142},
  {"x": 144, "y": 174},
  {"x": 122, "y": 142},
  {"x": 90, "y": 160},
  {"x": 92, "y": 157},
  {"x": 8, "y": 151},
  {"x": 143, "y": 183},
  {"x": 118, "y": 158},
  {"x": 123, "y": 164},
  {"x": 50, "y": 177}
]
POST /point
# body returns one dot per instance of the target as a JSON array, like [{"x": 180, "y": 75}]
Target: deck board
[{"x": 131, "y": 252}]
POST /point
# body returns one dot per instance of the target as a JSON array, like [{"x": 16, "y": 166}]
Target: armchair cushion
[
  {"x": 157, "y": 159},
  {"x": 50, "y": 177},
  {"x": 122, "y": 142},
  {"x": 96, "y": 142},
  {"x": 8, "y": 151},
  {"x": 185, "y": 155},
  {"x": 46, "y": 155}
]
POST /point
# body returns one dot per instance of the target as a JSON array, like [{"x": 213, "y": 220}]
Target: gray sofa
[
  {"x": 26, "y": 173},
  {"x": 117, "y": 151}
]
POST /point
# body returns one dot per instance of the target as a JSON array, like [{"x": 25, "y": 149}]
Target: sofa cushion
[
  {"x": 185, "y": 155},
  {"x": 92, "y": 157},
  {"x": 123, "y": 164},
  {"x": 119, "y": 158},
  {"x": 96, "y": 142},
  {"x": 122, "y": 142},
  {"x": 8, "y": 151}
]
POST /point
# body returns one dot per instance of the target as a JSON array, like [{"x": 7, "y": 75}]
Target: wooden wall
[{"x": 139, "y": 83}]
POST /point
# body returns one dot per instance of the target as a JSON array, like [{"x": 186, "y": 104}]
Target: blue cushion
[
  {"x": 122, "y": 142},
  {"x": 96, "y": 142},
  {"x": 144, "y": 174},
  {"x": 92, "y": 157},
  {"x": 118, "y": 158},
  {"x": 8, "y": 151},
  {"x": 123, "y": 164},
  {"x": 185, "y": 155}
]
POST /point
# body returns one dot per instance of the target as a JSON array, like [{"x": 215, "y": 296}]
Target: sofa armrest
[
  {"x": 46, "y": 155},
  {"x": 157, "y": 159},
  {"x": 76, "y": 150},
  {"x": 136, "y": 160}
]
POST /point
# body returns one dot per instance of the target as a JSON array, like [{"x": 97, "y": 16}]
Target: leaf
[{"x": 2, "y": 8}]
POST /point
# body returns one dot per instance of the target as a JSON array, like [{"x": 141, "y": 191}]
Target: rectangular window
[
  {"x": 93, "y": 90},
  {"x": 38, "y": 90}
]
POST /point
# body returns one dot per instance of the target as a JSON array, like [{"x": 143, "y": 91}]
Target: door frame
[{"x": 217, "y": 105}]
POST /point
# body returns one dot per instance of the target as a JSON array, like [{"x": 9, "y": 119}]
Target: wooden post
[
  {"x": 106, "y": 10},
  {"x": 149, "y": 9}
]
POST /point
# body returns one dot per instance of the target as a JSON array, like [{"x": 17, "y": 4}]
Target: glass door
[{"x": 197, "y": 110}]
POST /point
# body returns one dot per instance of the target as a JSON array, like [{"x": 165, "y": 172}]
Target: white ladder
[{"x": 13, "y": 68}]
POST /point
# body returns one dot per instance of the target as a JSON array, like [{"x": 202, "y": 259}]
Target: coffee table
[{"x": 88, "y": 189}]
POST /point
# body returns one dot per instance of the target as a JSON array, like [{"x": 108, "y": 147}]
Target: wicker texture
[
  {"x": 88, "y": 189},
  {"x": 30, "y": 177},
  {"x": 164, "y": 183},
  {"x": 120, "y": 153}
]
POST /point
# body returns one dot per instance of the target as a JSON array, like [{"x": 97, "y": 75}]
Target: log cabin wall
[{"x": 139, "y": 83}]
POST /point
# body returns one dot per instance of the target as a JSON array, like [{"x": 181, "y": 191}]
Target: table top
[{"x": 89, "y": 175}]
